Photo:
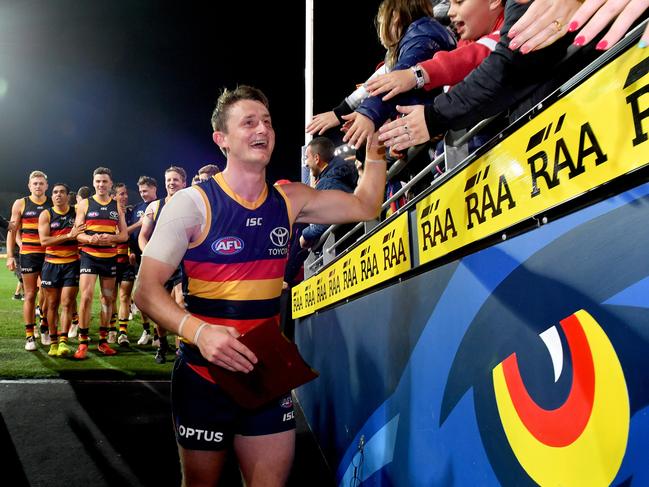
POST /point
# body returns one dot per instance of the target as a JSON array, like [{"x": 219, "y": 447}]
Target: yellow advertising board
[
  {"x": 593, "y": 135},
  {"x": 596, "y": 133},
  {"x": 385, "y": 255}
]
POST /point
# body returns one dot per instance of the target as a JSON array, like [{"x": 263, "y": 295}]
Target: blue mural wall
[{"x": 425, "y": 375}]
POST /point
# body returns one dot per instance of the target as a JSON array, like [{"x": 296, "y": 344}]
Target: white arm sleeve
[
  {"x": 181, "y": 218},
  {"x": 357, "y": 97}
]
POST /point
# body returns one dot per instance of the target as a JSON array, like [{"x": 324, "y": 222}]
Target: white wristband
[
  {"x": 182, "y": 323},
  {"x": 198, "y": 333}
]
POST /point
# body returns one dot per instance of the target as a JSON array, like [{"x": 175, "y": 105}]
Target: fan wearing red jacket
[{"x": 477, "y": 23}]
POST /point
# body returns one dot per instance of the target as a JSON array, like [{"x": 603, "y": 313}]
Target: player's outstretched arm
[{"x": 333, "y": 206}]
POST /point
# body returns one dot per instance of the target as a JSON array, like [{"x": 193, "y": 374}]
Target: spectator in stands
[
  {"x": 478, "y": 24},
  {"x": 546, "y": 21},
  {"x": 329, "y": 172},
  {"x": 505, "y": 80},
  {"x": 409, "y": 33},
  {"x": 206, "y": 172}
]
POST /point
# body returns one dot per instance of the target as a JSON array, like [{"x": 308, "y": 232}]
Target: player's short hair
[
  {"x": 83, "y": 192},
  {"x": 119, "y": 185},
  {"x": 229, "y": 98},
  {"x": 209, "y": 169},
  {"x": 37, "y": 174},
  {"x": 67, "y": 188},
  {"x": 148, "y": 181},
  {"x": 103, "y": 170},
  {"x": 179, "y": 170}
]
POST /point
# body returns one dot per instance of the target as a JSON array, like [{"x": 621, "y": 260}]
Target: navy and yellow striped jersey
[
  {"x": 31, "y": 243},
  {"x": 234, "y": 271},
  {"x": 101, "y": 217},
  {"x": 60, "y": 224}
]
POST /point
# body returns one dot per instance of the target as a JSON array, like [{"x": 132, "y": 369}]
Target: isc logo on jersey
[{"x": 228, "y": 245}]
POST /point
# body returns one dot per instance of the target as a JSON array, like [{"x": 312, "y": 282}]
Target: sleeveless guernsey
[
  {"x": 31, "y": 243},
  {"x": 101, "y": 218},
  {"x": 60, "y": 224},
  {"x": 234, "y": 273}
]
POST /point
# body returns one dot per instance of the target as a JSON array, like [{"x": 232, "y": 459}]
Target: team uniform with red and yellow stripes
[
  {"x": 61, "y": 267},
  {"x": 32, "y": 253},
  {"x": 100, "y": 218},
  {"x": 125, "y": 271},
  {"x": 233, "y": 276}
]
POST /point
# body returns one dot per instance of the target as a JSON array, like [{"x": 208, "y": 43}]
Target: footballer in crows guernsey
[
  {"x": 60, "y": 276},
  {"x": 105, "y": 227},
  {"x": 175, "y": 180},
  {"x": 24, "y": 213},
  {"x": 232, "y": 233}
]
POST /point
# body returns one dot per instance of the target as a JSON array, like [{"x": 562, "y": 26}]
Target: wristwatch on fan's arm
[{"x": 419, "y": 76}]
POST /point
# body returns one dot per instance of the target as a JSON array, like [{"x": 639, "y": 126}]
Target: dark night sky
[{"x": 131, "y": 84}]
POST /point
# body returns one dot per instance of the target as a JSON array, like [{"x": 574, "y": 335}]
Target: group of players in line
[{"x": 64, "y": 246}]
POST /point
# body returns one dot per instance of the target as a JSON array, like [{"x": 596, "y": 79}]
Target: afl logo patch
[
  {"x": 227, "y": 245},
  {"x": 279, "y": 236},
  {"x": 55, "y": 225},
  {"x": 93, "y": 214},
  {"x": 286, "y": 402}
]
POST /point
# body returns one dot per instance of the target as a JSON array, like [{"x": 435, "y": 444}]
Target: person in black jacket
[{"x": 329, "y": 172}]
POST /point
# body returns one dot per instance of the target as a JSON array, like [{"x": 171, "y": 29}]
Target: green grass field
[{"x": 134, "y": 362}]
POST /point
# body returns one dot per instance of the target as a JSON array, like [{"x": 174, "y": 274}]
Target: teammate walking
[
  {"x": 60, "y": 275},
  {"x": 104, "y": 228},
  {"x": 25, "y": 212},
  {"x": 175, "y": 180}
]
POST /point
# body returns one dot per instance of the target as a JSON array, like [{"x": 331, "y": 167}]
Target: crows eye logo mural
[
  {"x": 539, "y": 377},
  {"x": 584, "y": 439}
]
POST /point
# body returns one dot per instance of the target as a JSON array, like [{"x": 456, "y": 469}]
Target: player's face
[
  {"x": 122, "y": 196},
  {"x": 250, "y": 137},
  {"x": 102, "y": 184},
  {"x": 60, "y": 196},
  {"x": 147, "y": 193},
  {"x": 173, "y": 182},
  {"x": 37, "y": 186}
]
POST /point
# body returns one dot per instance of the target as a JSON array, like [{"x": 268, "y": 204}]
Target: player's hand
[
  {"x": 322, "y": 122},
  {"x": 11, "y": 263},
  {"x": 406, "y": 131},
  {"x": 375, "y": 149},
  {"x": 360, "y": 130},
  {"x": 395, "y": 82},
  {"x": 219, "y": 345},
  {"x": 105, "y": 239},
  {"x": 76, "y": 230},
  {"x": 132, "y": 260}
]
